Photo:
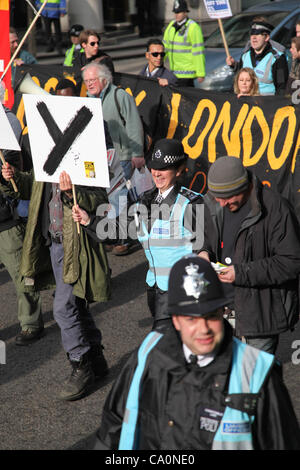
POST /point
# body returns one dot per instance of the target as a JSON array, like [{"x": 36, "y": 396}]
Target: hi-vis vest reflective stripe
[
  {"x": 250, "y": 367},
  {"x": 127, "y": 437},
  {"x": 167, "y": 242},
  {"x": 263, "y": 71},
  {"x": 185, "y": 50}
]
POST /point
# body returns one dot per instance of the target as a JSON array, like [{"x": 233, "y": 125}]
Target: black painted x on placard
[{"x": 63, "y": 140}]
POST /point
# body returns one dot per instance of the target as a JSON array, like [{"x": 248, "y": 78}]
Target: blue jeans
[{"x": 78, "y": 330}]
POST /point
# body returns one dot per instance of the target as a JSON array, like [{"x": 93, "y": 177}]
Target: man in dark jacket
[
  {"x": 155, "y": 69},
  {"x": 89, "y": 41},
  {"x": 253, "y": 232},
  {"x": 12, "y": 229},
  {"x": 196, "y": 387}
]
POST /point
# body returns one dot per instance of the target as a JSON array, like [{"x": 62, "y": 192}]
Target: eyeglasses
[
  {"x": 90, "y": 81},
  {"x": 93, "y": 43},
  {"x": 156, "y": 54}
]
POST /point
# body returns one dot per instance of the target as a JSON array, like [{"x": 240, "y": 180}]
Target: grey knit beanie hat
[{"x": 227, "y": 177}]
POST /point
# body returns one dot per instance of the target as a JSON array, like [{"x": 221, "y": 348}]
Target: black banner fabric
[{"x": 262, "y": 131}]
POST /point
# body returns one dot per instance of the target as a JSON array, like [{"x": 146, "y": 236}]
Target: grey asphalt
[{"x": 32, "y": 417}]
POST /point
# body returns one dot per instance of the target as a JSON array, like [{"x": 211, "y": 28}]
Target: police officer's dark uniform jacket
[
  {"x": 266, "y": 262},
  {"x": 172, "y": 392},
  {"x": 162, "y": 402}
]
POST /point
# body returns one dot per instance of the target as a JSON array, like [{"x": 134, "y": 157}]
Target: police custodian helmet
[
  {"x": 167, "y": 153},
  {"x": 194, "y": 288}
]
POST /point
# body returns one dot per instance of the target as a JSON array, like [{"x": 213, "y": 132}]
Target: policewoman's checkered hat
[{"x": 167, "y": 153}]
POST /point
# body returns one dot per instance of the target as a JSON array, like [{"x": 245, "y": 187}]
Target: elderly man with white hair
[{"x": 123, "y": 121}]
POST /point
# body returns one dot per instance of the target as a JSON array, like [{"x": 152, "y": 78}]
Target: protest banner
[
  {"x": 261, "y": 130},
  {"x": 5, "y": 53},
  {"x": 218, "y": 9},
  {"x": 67, "y": 134}
]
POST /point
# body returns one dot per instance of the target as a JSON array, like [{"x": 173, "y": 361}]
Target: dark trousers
[
  {"x": 78, "y": 330},
  {"x": 158, "y": 306},
  {"x": 57, "y": 29}
]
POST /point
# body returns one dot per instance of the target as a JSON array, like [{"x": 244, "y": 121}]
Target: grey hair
[
  {"x": 103, "y": 72},
  {"x": 2, "y": 91}
]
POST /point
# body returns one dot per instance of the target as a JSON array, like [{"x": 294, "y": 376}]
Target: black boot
[
  {"x": 81, "y": 379},
  {"x": 98, "y": 362}
]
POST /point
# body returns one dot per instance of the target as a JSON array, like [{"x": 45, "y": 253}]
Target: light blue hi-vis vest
[
  {"x": 250, "y": 367},
  {"x": 128, "y": 438},
  {"x": 167, "y": 242},
  {"x": 263, "y": 71}
]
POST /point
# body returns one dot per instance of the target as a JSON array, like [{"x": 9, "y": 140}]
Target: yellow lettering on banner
[
  {"x": 128, "y": 90},
  {"x": 297, "y": 146},
  {"x": 175, "y": 102},
  {"x": 255, "y": 113},
  {"x": 232, "y": 143},
  {"x": 281, "y": 114},
  {"x": 140, "y": 97},
  {"x": 196, "y": 150},
  {"x": 51, "y": 83}
]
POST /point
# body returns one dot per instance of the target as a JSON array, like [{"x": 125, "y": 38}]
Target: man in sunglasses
[
  {"x": 90, "y": 41},
  {"x": 155, "y": 69},
  {"x": 265, "y": 57}
]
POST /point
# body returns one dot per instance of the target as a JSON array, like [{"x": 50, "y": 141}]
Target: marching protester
[
  {"x": 124, "y": 125},
  {"x": 253, "y": 231},
  {"x": 184, "y": 45},
  {"x": 168, "y": 223},
  {"x": 155, "y": 69},
  {"x": 89, "y": 41},
  {"x": 52, "y": 14},
  {"x": 12, "y": 229},
  {"x": 246, "y": 83},
  {"x": 265, "y": 57},
  {"x": 197, "y": 387},
  {"x": 295, "y": 67},
  {"x": 24, "y": 56},
  {"x": 74, "y": 33},
  {"x": 55, "y": 255}
]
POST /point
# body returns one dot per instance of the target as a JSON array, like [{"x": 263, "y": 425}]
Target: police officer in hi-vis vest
[
  {"x": 266, "y": 57},
  {"x": 169, "y": 222},
  {"x": 196, "y": 387}
]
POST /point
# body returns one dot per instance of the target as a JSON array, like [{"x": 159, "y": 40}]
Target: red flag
[{"x": 5, "y": 52}]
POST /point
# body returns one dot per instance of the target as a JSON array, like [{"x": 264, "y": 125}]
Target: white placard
[
  {"x": 8, "y": 140},
  {"x": 218, "y": 8},
  {"x": 67, "y": 134}
]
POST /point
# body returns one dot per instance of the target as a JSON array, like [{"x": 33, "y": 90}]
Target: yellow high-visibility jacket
[{"x": 185, "y": 49}]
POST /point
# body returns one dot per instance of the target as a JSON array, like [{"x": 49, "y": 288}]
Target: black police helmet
[
  {"x": 194, "y": 288},
  {"x": 167, "y": 153},
  {"x": 75, "y": 30}
]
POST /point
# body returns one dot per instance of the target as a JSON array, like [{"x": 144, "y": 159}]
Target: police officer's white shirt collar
[
  {"x": 202, "y": 361},
  {"x": 165, "y": 193}
]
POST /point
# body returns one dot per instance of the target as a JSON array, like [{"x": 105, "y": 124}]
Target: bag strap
[{"x": 118, "y": 107}]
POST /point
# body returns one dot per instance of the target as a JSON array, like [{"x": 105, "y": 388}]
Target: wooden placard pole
[
  {"x": 24, "y": 39},
  {"x": 75, "y": 203},
  {"x": 223, "y": 36},
  {"x": 11, "y": 180}
]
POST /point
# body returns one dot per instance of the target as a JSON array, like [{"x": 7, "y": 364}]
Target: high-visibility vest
[
  {"x": 185, "y": 50},
  {"x": 263, "y": 71},
  {"x": 250, "y": 367},
  {"x": 167, "y": 242}
]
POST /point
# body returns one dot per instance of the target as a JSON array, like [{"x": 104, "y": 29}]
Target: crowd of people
[{"x": 223, "y": 268}]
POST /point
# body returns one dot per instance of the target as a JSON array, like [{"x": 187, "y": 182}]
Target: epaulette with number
[{"x": 189, "y": 194}]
